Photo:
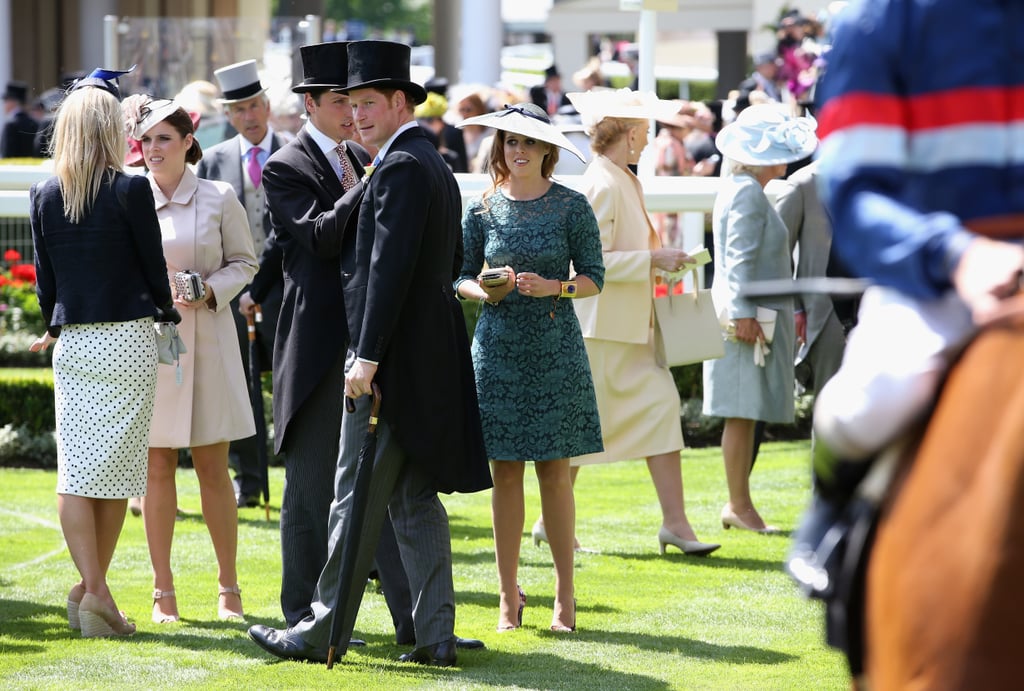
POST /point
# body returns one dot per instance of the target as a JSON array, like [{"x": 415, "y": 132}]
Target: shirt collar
[
  {"x": 244, "y": 144},
  {"x": 325, "y": 143},
  {"x": 387, "y": 145},
  {"x": 182, "y": 195}
]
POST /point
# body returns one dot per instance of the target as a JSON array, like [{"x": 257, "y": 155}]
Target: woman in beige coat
[
  {"x": 203, "y": 404},
  {"x": 636, "y": 394}
]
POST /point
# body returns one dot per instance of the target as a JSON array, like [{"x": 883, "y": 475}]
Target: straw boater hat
[
  {"x": 324, "y": 66},
  {"x": 767, "y": 135},
  {"x": 382, "y": 65},
  {"x": 528, "y": 120},
  {"x": 598, "y": 104},
  {"x": 238, "y": 82}
]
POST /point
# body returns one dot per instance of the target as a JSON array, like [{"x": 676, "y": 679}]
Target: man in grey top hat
[{"x": 239, "y": 161}]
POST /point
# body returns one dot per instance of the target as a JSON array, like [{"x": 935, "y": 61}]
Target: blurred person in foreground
[
  {"x": 532, "y": 377},
  {"x": 101, "y": 281}
]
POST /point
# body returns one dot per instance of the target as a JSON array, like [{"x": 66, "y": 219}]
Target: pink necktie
[
  {"x": 348, "y": 173},
  {"x": 255, "y": 172}
]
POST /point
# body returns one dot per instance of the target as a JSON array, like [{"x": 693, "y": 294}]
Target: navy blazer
[
  {"x": 108, "y": 267},
  {"x": 309, "y": 213},
  {"x": 403, "y": 314}
]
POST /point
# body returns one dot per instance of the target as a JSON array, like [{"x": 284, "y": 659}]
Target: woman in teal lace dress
[{"x": 533, "y": 378}]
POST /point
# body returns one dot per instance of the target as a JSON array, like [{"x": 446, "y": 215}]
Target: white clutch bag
[{"x": 766, "y": 319}]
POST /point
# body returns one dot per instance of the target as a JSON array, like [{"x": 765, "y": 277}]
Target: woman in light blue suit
[{"x": 754, "y": 381}]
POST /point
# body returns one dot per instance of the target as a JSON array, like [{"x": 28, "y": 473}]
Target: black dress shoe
[
  {"x": 285, "y": 645},
  {"x": 469, "y": 644},
  {"x": 438, "y": 655},
  {"x": 248, "y": 501}
]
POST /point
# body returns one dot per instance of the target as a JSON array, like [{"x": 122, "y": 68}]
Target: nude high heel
[
  {"x": 74, "y": 622},
  {"x": 99, "y": 620},
  {"x": 730, "y": 519},
  {"x": 694, "y": 548},
  {"x": 227, "y": 614},
  {"x": 158, "y": 616}
]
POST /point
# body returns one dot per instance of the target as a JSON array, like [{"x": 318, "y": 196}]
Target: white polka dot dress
[{"x": 104, "y": 385}]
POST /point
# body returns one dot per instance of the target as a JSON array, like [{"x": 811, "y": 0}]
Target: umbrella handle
[
  {"x": 350, "y": 406},
  {"x": 250, "y": 322}
]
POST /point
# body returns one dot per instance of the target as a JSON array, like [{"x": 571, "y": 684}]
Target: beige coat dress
[
  {"x": 636, "y": 395},
  {"x": 204, "y": 228}
]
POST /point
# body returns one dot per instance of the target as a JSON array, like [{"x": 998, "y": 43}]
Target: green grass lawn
[{"x": 729, "y": 621}]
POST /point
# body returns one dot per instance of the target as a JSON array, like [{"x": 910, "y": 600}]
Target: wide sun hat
[
  {"x": 767, "y": 135},
  {"x": 528, "y": 120},
  {"x": 598, "y": 104}
]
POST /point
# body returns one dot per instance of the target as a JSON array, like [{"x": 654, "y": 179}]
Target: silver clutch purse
[{"x": 188, "y": 285}]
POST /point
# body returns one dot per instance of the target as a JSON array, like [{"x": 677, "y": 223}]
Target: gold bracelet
[{"x": 568, "y": 289}]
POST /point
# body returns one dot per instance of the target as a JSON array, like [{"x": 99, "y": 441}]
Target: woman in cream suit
[
  {"x": 203, "y": 405},
  {"x": 636, "y": 395}
]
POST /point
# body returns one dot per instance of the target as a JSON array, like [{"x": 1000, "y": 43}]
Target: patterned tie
[
  {"x": 255, "y": 172},
  {"x": 348, "y": 173}
]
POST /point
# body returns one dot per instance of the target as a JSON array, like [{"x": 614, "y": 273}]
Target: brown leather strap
[{"x": 1006, "y": 227}]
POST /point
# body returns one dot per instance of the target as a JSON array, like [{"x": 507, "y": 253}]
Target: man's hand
[
  {"x": 358, "y": 379},
  {"x": 246, "y": 305},
  {"x": 989, "y": 272}
]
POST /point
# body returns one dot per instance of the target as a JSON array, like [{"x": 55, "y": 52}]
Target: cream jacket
[
  {"x": 622, "y": 311},
  {"x": 204, "y": 228}
]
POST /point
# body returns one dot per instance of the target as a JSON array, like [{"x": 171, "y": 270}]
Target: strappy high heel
[
  {"x": 519, "y": 614},
  {"x": 158, "y": 616},
  {"x": 227, "y": 614}
]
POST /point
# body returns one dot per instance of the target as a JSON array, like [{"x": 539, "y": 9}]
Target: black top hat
[
  {"x": 324, "y": 66},
  {"x": 551, "y": 71},
  {"x": 436, "y": 85},
  {"x": 382, "y": 65},
  {"x": 16, "y": 91}
]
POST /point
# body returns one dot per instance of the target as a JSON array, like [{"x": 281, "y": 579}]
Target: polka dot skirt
[{"x": 104, "y": 384}]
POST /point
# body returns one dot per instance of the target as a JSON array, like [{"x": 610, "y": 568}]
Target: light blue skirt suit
[{"x": 751, "y": 243}]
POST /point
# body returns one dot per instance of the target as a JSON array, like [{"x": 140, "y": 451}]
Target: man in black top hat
[
  {"x": 549, "y": 95},
  {"x": 239, "y": 161},
  {"x": 18, "y": 137},
  {"x": 407, "y": 336},
  {"x": 312, "y": 194}
]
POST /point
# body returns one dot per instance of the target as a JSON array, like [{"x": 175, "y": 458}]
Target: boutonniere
[{"x": 367, "y": 172}]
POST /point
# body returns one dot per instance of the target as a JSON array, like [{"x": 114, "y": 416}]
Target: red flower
[
  {"x": 24, "y": 272},
  {"x": 11, "y": 256}
]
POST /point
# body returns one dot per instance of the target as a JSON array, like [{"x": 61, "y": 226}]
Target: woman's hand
[
  {"x": 669, "y": 259},
  {"x": 42, "y": 343},
  {"x": 498, "y": 293},
  {"x": 748, "y": 330},
  {"x": 532, "y": 285}
]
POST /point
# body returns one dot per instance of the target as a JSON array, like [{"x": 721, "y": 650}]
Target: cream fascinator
[
  {"x": 767, "y": 135},
  {"x": 142, "y": 113}
]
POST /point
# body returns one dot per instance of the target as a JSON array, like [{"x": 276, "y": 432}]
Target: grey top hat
[
  {"x": 238, "y": 82},
  {"x": 324, "y": 66},
  {"x": 382, "y": 65}
]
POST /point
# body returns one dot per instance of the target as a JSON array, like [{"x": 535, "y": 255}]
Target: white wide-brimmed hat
[
  {"x": 238, "y": 82},
  {"x": 528, "y": 120},
  {"x": 767, "y": 135},
  {"x": 597, "y": 104}
]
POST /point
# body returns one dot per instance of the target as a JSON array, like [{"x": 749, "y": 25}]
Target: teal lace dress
[{"x": 532, "y": 374}]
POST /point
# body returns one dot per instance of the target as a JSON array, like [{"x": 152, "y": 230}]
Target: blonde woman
[
  {"x": 636, "y": 393},
  {"x": 204, "y": 408},
  {"x": 101, "y": 281}
]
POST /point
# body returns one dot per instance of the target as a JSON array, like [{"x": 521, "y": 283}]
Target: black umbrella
[
  {"x": 354, "y": 524},
  {"x": 256, "y": 398}
]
